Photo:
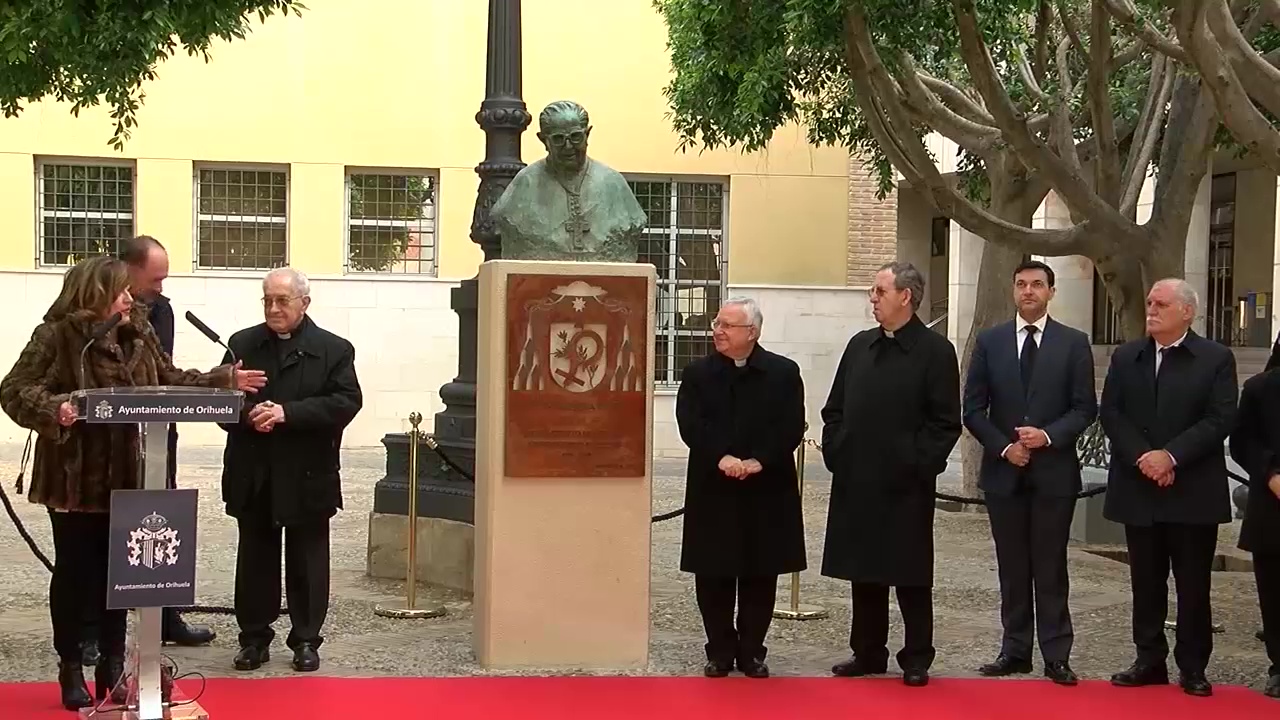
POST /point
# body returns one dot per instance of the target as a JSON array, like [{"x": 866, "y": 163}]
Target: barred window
[
  {"x": 391, "y": 223},
  {"x": 83, "y": 210},
  {"x": 242, "y": 219},
  {"x": 684, "y": 239}
]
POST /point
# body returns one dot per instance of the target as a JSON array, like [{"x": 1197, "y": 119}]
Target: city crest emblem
[
  {"x": 154, "y": 544},
  {"x": 102, "y": 410}
]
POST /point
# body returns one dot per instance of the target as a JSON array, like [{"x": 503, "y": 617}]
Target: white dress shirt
[
  {"x": 1160, "y": 348},
  {"x": 1022, "y": 331},
  {"x": 1020, "y": 337}
]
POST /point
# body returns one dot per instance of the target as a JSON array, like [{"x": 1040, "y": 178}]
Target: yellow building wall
[{"x": 396, "y": 84}]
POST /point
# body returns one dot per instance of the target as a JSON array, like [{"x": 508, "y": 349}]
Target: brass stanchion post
[
  {"x": 795, "y": 610},
  {"x": 411, "y": 610}
]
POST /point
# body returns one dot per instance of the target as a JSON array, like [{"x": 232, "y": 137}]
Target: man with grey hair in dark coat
[
  {"x": 890, "y": 422},
  {"x": 741, "y": 412},
  {"x": 1168, "y": 405}
]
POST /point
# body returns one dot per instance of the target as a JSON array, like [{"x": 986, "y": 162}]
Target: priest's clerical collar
[
  {"x": 740, "y": 362},
  {"x": 284, "y": 336},
  {"x": 904, "y": 336}
]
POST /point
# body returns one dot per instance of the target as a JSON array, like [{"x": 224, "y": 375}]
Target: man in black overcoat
[
  {"x": 741, "y": 412},
  {"x": 1028, "y": 396},
  {"x": 281, "y": 469},
  {"x": 890, "y": 422},
  {"x": 1255, "y": 444},
  {"x": 1168, "y": 405}
]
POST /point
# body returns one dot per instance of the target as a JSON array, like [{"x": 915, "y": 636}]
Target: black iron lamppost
[{"x": 445, "y": 493}]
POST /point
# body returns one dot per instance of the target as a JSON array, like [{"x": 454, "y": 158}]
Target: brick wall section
[{"x": 873, "y": 226}]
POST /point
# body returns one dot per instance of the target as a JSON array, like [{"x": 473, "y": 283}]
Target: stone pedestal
[
  {"x": 564, "y": 465},
  {"x": 446, "y": 550},
  {"x": 1088, "y": 526},
  {"x": 446, "y": 511}
]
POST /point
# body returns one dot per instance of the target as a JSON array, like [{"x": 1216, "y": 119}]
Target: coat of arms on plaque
[
  {"x": 580, "y": 339},
  {"x": 578, "y": 378}
]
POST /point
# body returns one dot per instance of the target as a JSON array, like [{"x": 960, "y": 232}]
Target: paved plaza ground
[{"x": 358, "y": 643}]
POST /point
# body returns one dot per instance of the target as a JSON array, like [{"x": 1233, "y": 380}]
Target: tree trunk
[
  {"x": 1129, "y": 277},
  {"x": 992, "y": 305}
]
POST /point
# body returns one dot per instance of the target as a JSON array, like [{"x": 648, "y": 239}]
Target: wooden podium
[{"x": 152, "y": 547}]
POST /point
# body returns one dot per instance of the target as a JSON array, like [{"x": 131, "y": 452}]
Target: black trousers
[
  {"x": 78, "y": 588},
  {"x": 306, "y": 579},
  {"x": 1031, "y": 534},
  {"x": 1266, "y": 571},
  {"x": 727, "y": 642},
  {"x": 1189, "y": 550},
  {"x": 869, "y": 631}
]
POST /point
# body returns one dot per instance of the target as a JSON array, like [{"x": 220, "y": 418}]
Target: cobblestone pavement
[{"x": 358, "y": 643}]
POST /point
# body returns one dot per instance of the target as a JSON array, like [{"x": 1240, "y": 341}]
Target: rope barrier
[{"x": 1091, "y": 453}]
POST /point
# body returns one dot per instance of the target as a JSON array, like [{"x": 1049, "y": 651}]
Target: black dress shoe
[
  {"x": 1139, "y": 675},
  {"x": 1005, "y": 665},
  {"x": 251, "y": 657},
  {"x": 306, "y": 659},
  {"x": 75, "y": 694},
  {"x": 179, "y": 632},
  {"x": 1060, "y": 672},
  {"x": 853, "y": 667},
  {"x": 915, "y": 678},
  {"x": 754, "y": 669},
  {"x": 1273, "y": 687},
  {"x": 1195, "y": 683},
  {"x": 715, "y": 669}
]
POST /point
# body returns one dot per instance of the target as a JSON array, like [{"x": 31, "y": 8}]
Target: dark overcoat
[
  {"x": 1255, "y": 444},
  {"x": 1189, "y": 414},
  {"x": 76, "y": 468},
  {"x": 297, "y": 464},
  {"x": 160, "y": 314},
  {"x": 753, "y": 526},
  {"x": 889, "y": 424}
]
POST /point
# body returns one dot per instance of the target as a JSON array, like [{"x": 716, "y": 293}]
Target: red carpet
[{"x": 613, "y": 698}]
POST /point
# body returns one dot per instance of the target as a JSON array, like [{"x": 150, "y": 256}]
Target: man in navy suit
[{"x": 1028, "y": 396}]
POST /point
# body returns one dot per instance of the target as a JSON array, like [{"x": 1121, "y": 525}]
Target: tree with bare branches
[{"x": 1080, "y": 97}]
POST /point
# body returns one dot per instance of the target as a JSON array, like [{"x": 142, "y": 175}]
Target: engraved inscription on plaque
[{"x": 576, "y": 376}]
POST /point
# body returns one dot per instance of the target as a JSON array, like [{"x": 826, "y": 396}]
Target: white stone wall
[
  {"x": 810, "y": 325},
  {"x": 406, "y": 340}
]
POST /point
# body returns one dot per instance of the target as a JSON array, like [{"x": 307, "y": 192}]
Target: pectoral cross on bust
[{"x": 576, "y": 226}]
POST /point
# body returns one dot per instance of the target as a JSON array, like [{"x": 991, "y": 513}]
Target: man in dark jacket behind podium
[{"x": 148, "y": 267}]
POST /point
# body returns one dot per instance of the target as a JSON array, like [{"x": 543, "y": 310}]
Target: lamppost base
[
  {"x": 404, "y": 613},
  {"x": 799, "y": 612}
]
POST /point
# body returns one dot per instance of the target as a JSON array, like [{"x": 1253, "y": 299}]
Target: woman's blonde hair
[{"x": 90, "y": 286}]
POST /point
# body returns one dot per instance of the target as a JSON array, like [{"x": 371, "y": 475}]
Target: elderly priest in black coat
[
  {"x": 1255, "y": 444},
  {"x": 741, "y": 412},
  {"x": 890, "y": 422},
  {"x": 281, "y": 470}
]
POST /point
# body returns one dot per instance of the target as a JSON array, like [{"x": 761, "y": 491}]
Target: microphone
[
  {"x": 96, "y": 333},
  {"x": 209, "y": 333}
]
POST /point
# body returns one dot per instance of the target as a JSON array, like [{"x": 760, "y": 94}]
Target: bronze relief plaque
[{"x": 577, "y": 390}]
